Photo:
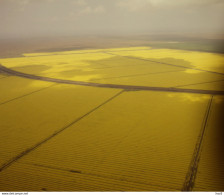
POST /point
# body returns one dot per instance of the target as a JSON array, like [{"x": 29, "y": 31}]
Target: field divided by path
[
  {"x": 36, "y": 116},
  {"x": 87, "y": 121},
  {"x": 114, "y": 86},
  {"x": 141, "y": 66},
  {"x": 123, "y": 144},
  {"x": 210, "y": 175}
]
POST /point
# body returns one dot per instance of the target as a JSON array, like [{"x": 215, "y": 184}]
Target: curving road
[{"x": 11, "y": 72}]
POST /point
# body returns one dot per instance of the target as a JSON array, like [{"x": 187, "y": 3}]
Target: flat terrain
[{"x": 112, "y": 119}]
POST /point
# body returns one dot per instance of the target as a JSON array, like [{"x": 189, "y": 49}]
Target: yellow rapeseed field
[
  {"x": 67, "y": 137},
  {"x": 132, "y": 66}
]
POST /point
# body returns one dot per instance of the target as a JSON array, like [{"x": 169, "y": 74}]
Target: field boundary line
[
  {"x": 88, "y": 173},
  {"x": 136, "y": 75},
  {"x": 54, "y": 54},
  {"x": 200, "y": 83},
  {"x": 114, "y": 86},
  {"x": 139, "y": 58},
  {"x": 193, "y": 168},
  {"x": 27, "y": 151},
  {"x": 5, "y": 102}
]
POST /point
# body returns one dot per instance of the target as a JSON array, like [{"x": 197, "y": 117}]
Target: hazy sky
[{"x": 67, "y": 17}]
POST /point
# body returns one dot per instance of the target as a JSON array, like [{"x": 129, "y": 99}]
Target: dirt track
[{"x": 11, "y": 72}]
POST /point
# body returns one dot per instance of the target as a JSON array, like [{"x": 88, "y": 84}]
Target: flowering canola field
[{"x": 63, "y": 137}]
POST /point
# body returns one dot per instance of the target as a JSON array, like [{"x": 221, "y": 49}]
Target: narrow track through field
[{"x": 115, "y": 86}]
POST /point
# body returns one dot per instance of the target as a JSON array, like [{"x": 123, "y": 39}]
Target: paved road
[{"x": 8, "y": 71}]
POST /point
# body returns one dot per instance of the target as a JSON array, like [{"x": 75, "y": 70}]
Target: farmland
[{"x": 113, "y": 119}]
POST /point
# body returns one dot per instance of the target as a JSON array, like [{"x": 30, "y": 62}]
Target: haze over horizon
[{"x": 28, "y": 18}]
